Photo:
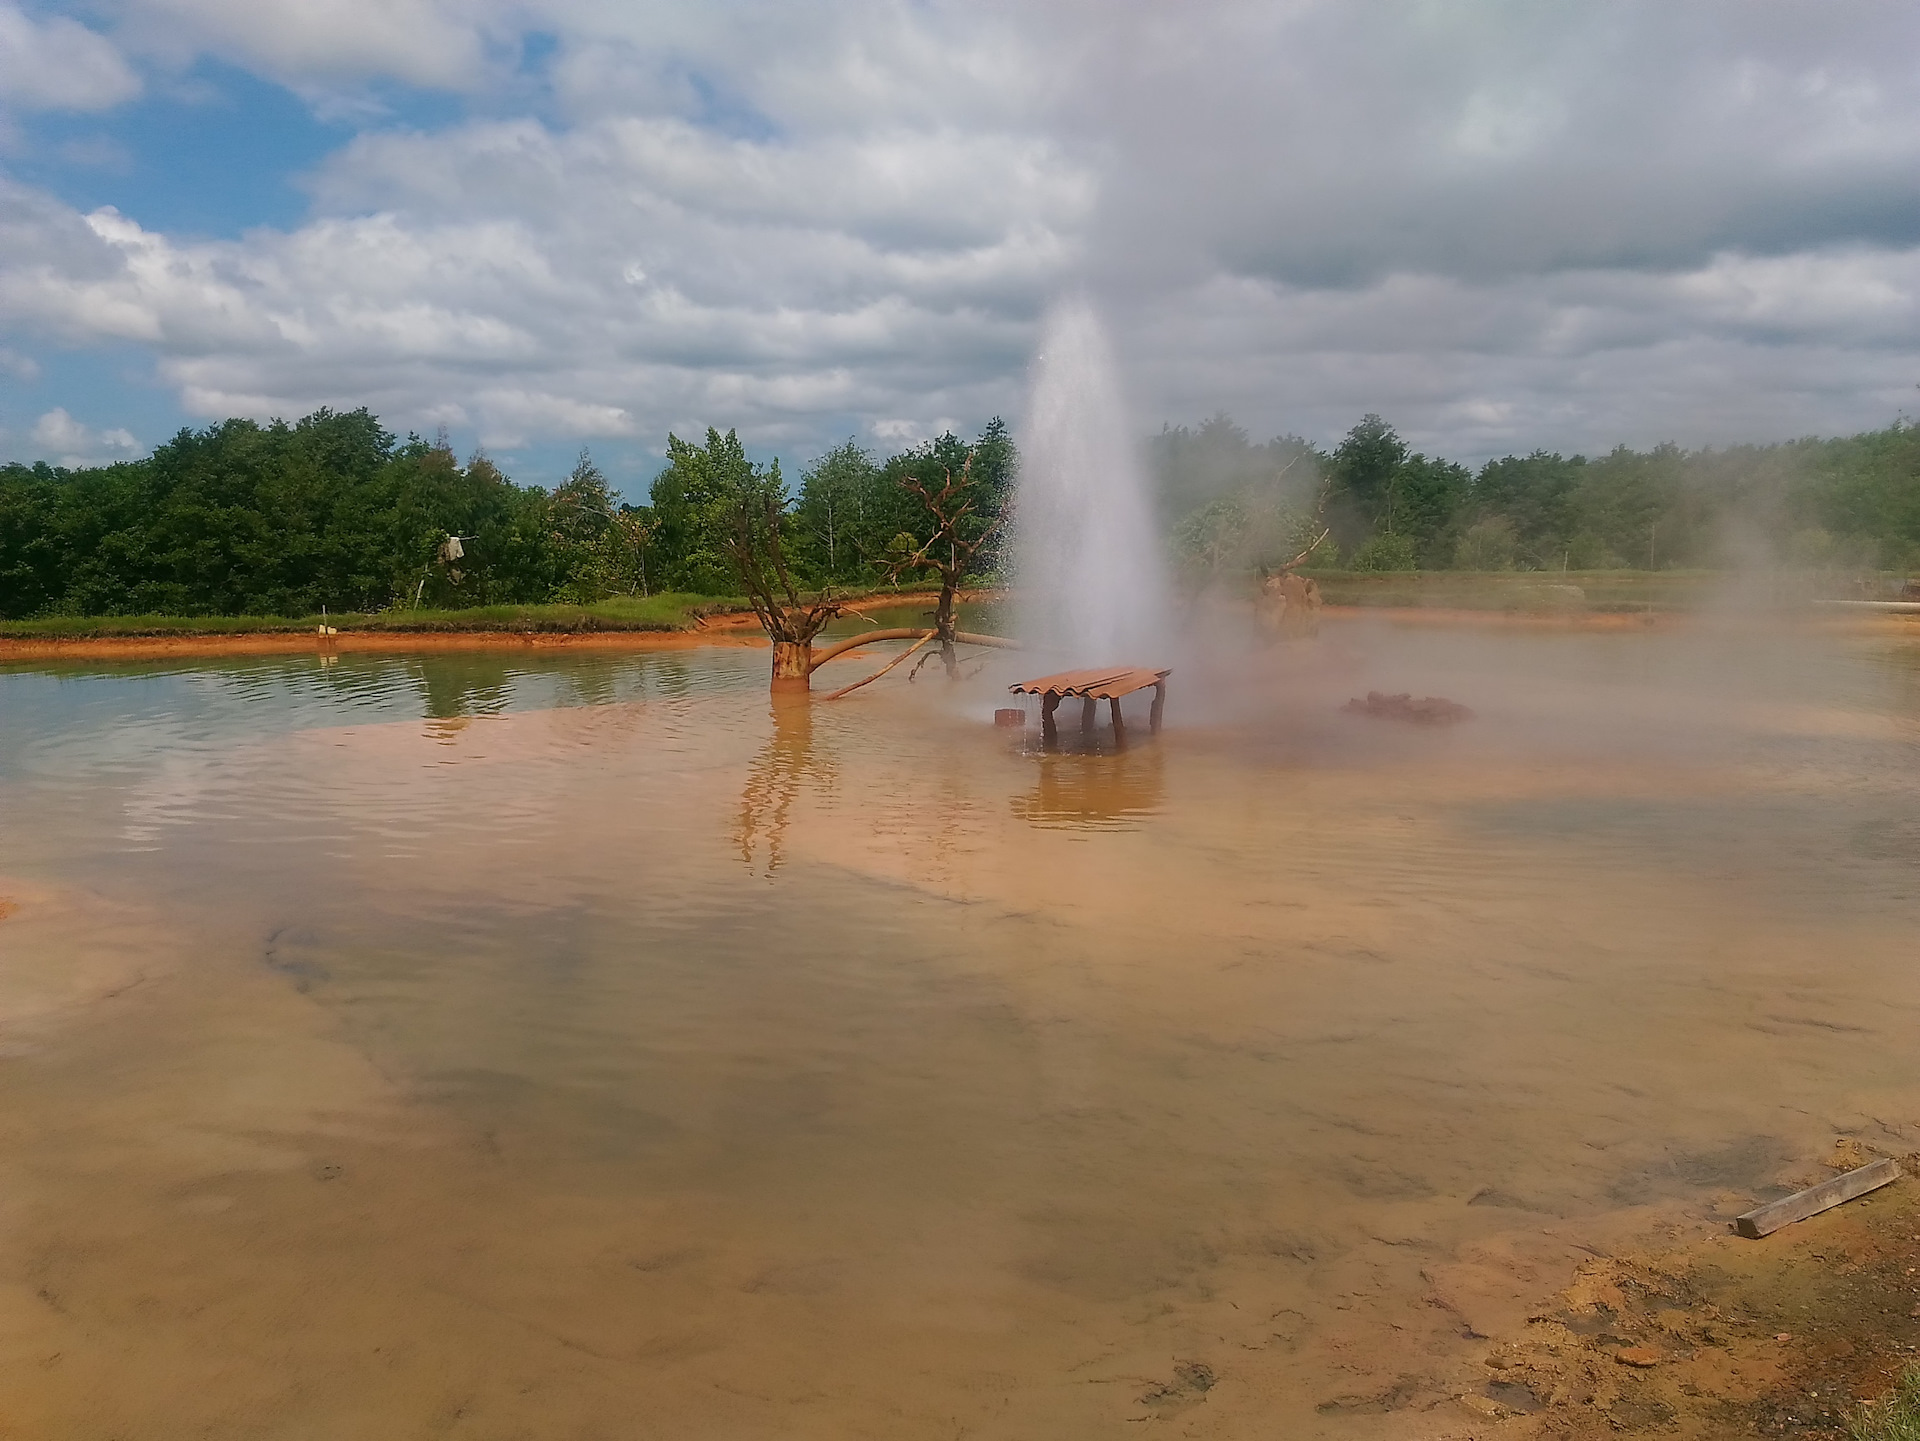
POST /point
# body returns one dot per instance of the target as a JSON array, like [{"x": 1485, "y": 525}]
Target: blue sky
[{"x": 554, "y": 223}]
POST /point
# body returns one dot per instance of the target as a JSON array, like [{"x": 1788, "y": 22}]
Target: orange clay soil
[
  {"x": 1720, "y": 1338},
  {"x": 734, "y": 628},
  {"x": 145, "y": 647},
  {"x": 1528, "y": 620},
  {"x": 742, "y": 628},
  {"x": 1578, "y": 620}
]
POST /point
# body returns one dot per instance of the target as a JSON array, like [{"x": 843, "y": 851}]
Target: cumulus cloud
[
  {"x": 59, "y": 64},
  {"x": 1740, "y": 347},
  {"x": 59, "y": 438},
  {"x": 615, "y": 279},
  {"x": 1500, "y": 223},
  {"x": 317, "y": 46}
]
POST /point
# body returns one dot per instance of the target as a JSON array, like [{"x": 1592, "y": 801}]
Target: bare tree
[
  {"x": 951, "y": 549},
  {"x": 754, "y": 519}
]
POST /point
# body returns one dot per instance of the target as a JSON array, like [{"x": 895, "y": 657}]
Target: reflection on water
[
  {"x": 581, "y": 1045},
  {"x": 1091, "y": 792},
  {"x": 784, "y": 764}
]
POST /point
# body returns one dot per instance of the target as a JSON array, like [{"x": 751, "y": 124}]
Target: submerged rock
[{"x": 1428, "y": 710}]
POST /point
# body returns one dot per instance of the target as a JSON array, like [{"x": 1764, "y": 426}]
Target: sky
[{"x": 546, "y": 224}]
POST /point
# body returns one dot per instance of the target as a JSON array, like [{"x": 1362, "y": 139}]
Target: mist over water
[{"x": 1089, "y": 568}]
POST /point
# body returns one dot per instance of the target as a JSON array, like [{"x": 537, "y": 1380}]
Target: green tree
[
  {"x": 586, "y": 536},
  {"x": 691, "y": 500},
  {"x": 1531, "y": 493},
  {"x": 836, "y": 494},
  {"x": 1361, "y": 473},
  {"x": 1490, "y": 543}
]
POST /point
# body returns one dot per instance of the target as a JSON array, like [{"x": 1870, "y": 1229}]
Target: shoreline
[
  {"x": 1680, "y": 1328},
  {"x": 731, "y": 628},
  {"x": 741, "y": 629}
]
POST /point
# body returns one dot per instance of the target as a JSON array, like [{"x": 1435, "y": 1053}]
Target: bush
[
  {"x": 1490, "y": 544},
  {"x": 1385, "y": 552}
]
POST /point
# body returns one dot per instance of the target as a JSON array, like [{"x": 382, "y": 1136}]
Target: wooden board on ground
[{"x": 1811, "y": 1202}]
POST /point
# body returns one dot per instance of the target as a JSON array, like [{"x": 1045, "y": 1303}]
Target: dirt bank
[
  {"x": 1719, "y": 1338},
  {"x": 1451, "y": 617},
  {"x": 733, "y": 628},
  {"x": 1507, "y": 619},
  {"x": 184, "y": 647}
]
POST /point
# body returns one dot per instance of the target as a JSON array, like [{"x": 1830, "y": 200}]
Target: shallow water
[{"x": 582, "y": 1046}]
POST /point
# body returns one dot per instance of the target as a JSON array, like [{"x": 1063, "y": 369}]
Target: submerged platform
[{"x": 1092, "y": 686}]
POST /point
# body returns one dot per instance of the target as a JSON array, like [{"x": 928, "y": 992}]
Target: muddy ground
[{"x": 1718, "y": 1338}]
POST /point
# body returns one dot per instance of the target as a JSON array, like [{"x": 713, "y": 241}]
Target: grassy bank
[
  {"x": 670, "y": 612},
  {"x": 642, "y": 613},
  {"x": 1599, "y": 591},
  {"x": 1593, "y": 591}
]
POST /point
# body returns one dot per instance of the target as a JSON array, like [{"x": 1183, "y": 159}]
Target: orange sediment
[{"x": 148, "y": 647}]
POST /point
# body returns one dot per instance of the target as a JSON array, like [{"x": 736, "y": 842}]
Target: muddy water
[{"x": 494, "y": 1047}]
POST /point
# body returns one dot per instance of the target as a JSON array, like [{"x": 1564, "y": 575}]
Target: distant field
[{"x": 1589, "y": 590}]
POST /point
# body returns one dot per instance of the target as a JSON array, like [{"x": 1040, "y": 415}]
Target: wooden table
[{"x": 1093, "y": 686}]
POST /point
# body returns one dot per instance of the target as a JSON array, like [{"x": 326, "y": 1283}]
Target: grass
[
  {"x": 1894, "y": 1417},
  {"x": 673, "y": 611},
  {"x": 1598, "y": 591},
  {"x": 1547, "y": 590},
  {"x": 655, "y": 613}
]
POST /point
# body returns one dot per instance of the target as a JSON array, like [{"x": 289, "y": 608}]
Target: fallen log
[
  {"x": 854, "y": 642},
  {"x": 1763, "y": 1220},
  {"x": 849, "y": 689}
]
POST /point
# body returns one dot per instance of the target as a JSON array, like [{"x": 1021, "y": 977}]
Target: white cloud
[
  {"x": 494, "y": 266},
  {"x": 1738, "y": 348},
  {"x": 1498, "y": 223},
  {"x": 58, "y": 437},
  {"x": 59, "y": 64},
  {"x": 316, "y": 45}
]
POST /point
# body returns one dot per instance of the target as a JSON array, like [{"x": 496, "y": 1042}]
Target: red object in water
[{"x": 1009, "y": 717}]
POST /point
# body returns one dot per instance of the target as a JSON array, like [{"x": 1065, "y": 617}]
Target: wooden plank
[
  {"x": 1098, "y": 684},
  {"x": 1764, "y": 1220},
  {"x": 1070, "y": 682}
]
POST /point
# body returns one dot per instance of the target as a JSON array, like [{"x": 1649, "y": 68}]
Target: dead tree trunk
[{"x": 756, "y": 519}]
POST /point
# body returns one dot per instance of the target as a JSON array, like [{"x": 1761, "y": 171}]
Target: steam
[{"x": 1090, "y": 570}]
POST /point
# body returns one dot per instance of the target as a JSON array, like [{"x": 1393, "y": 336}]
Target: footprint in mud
[
  {"x": 1189, "y": 1386},
  {"x": 1393, "y": 1396}
]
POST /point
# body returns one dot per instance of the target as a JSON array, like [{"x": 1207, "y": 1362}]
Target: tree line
[
  {"x": 334, "y": 511},
  {"x": 1374, "y": 503}
]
